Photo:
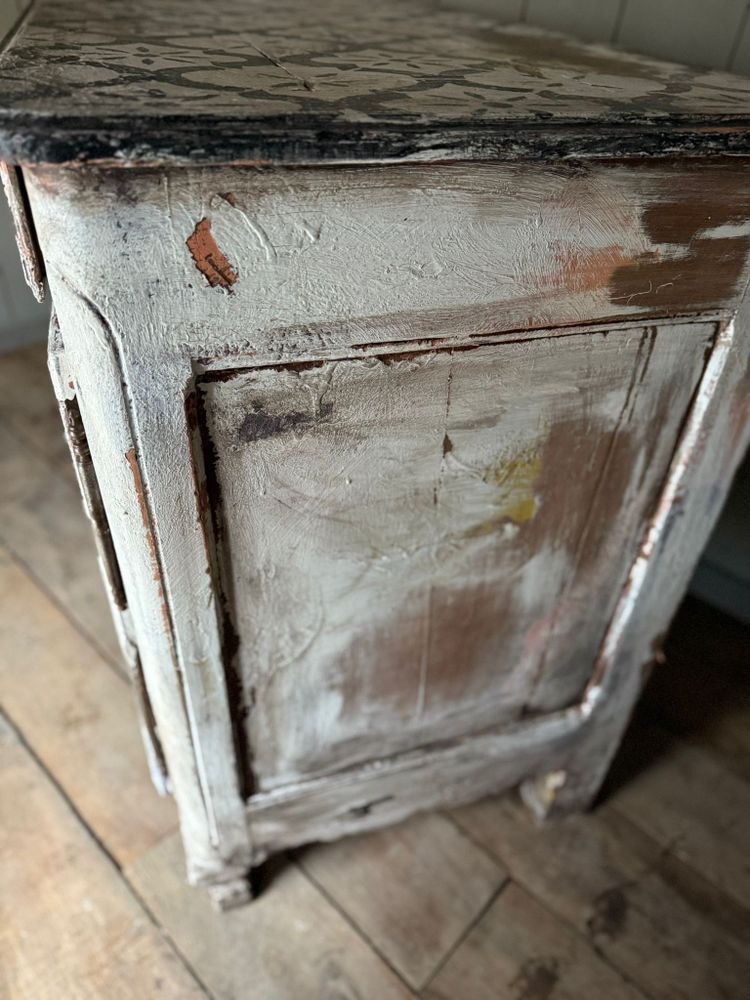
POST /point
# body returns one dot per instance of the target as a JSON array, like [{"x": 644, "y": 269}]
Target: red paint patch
[{"x": 209, "y": 259}]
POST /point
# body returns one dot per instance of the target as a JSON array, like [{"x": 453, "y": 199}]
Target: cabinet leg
[
  {"x": 558, "y": 793},
  {"x": 575, "y": 784},
  {"x": 231, "y": 894}
]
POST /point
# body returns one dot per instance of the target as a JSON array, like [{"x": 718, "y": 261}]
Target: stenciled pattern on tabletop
[{"x": 87, "y": 69}]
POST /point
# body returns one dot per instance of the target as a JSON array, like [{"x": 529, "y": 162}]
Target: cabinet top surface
[{"x": 293, "y": 81}]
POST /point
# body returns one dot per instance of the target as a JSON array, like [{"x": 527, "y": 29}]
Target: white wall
[
  {"x": 713, "y": 33},
  {"x": 10, "y": 11}
]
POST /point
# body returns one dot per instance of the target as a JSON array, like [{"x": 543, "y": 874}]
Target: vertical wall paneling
[
  {"x": 591, "y": 20},
  {"x": 10, "y": 11},
  {"x": 712, "y": 33},
  {"x": 740, "y": 56},
  {"x": 690, "y": 31}
]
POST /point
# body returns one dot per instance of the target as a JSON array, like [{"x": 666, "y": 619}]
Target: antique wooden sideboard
[{"x": 404, "y": 363}]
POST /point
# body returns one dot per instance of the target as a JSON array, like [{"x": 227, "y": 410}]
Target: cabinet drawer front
[
  {"x": 227, "y": 262},
  {"x": 417, "y": 547}
]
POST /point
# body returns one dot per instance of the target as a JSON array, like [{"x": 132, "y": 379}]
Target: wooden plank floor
[{"x": 647, "y": 896}]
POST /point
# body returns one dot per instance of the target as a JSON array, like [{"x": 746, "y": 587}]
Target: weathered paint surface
[
  {"x": 422, "y": 548},
  {"x": 185, "y": 690},
  {"x": 335, "y": 259},
  {"x": 500, "y": 358},
  {"x": 711, "y": 444}
]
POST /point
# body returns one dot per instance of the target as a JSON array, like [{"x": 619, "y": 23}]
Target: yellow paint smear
[{"x": 515, "y": 480}]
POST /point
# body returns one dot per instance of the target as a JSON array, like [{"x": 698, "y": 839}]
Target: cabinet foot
[
  {"x": 229, "y": 895},
  {"x": 554, "y": 794}
]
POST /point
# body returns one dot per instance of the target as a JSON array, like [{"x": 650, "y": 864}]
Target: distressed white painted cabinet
[{"x": 404, "y": 362}]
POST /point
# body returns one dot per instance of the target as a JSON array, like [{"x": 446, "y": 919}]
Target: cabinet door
[{"x": 416, "y": 547}]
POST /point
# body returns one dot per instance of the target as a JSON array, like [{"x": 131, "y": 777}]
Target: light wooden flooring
[{"x": 646, "y": 897}]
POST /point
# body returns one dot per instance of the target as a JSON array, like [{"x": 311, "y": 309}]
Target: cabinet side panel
[{"x": 419, "y": 547}]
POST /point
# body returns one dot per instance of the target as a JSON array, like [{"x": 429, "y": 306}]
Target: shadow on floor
[{"x": 702, "y": 684}]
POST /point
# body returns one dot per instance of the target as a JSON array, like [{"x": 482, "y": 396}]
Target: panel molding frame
[{"x": 366, "y": 796}]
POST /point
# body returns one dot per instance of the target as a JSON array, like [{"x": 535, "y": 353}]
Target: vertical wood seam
[
  {"x": 737, "y": 41},
  {"x": 619, "y": 18}
]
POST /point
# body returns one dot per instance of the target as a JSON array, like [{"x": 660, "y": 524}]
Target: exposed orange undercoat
[{"x": 209, "y": 259}]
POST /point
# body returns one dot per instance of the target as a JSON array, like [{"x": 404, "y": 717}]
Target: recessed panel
[{"x": 416, "y": 547}]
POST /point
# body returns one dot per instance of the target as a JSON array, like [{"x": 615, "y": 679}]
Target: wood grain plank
[
  {"x": 688, "y": 801},
  {"x": 590, "y": 20},
  {"x": 520, "y": 950},
  {"x": 412, "y": 889},
  {"x": 699, "y": 34},
  {"x": 288, "y": 944},
  {"x": 28, "y": 404},
  {"x": 42, "y": 521},
  {"x": 79, "y": 718},
  {"x": 70, "y": 926},
  {"x": 613, "y": 884}
]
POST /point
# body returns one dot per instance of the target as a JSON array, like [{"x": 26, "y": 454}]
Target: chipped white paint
[
  {"x": 193, "y": 726},
  {"x": 381, "y": 602},
  {"x": 402, "y": 429},
  {"x": 399, "y": 253}
]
